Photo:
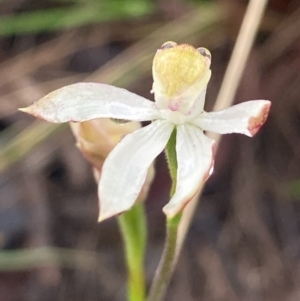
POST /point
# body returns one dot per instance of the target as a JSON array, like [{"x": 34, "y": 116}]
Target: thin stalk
[
  {"x": 134, "y": 232},
  {"x": 168, "y": 260}
]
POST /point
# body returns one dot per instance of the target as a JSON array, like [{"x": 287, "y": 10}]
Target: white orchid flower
[{"x": 181, "y": 74}]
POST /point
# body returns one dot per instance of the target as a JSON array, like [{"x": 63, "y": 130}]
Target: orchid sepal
[
  {"x": 244, "y": 118},
  {"x": 86, "y": 101}
]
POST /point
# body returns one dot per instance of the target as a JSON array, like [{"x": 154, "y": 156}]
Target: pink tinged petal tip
[
  {"x": 125, "y": 169},
  {"x": 87, "y": 101},
  {"x": 244, "y": 118},
  {"x": 195, "y": 157},
  {"x": 256, "y": 122}
]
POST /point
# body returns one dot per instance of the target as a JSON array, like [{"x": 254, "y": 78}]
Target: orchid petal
[
  {"x": 86, "y": 101},
  {"x": 195, "y": 155},
  {"x": 245, "y": 118},
  {"x": 125, "y": 169}
]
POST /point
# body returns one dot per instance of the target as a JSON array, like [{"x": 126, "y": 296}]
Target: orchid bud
[{"x": 96, "y": 138}]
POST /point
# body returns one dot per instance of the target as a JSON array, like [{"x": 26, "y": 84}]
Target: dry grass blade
[
  {"x": 24, "y": 142},
  {"x": 29, "y": 259},
  {"x": 136, "y": 60},
  {"x": 33, "y": 59}
]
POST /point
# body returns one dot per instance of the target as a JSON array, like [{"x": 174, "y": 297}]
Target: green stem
[
  {"x": 167, "y": 262},
  {"x": 133, "y": 229},
  {"x": 172, "y": 160},
  {"x": 168, "y": 259}
]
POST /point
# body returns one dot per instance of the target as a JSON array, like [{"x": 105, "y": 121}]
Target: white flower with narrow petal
[{"x": 181, "y": 74}]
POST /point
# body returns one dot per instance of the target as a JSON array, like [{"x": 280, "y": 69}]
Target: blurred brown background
[{"x": 244, "y": 243}]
